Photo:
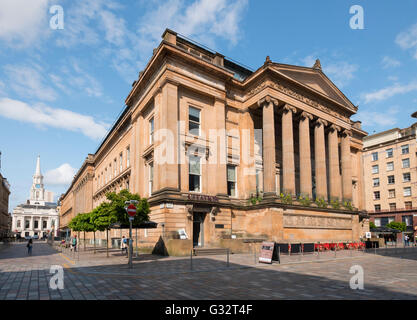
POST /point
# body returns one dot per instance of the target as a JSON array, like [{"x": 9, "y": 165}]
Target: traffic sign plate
[{"x": 131, "y": 210}]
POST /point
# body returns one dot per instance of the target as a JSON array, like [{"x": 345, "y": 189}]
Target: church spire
[{"x": 38, "y": 166}]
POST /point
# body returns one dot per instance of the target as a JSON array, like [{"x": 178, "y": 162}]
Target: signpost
[
  {"x": 267, "y": 251},
  {"x": 131, "y": 211}
]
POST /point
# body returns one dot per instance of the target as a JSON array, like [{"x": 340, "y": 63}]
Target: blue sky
[{"x": 60, "y": 90}]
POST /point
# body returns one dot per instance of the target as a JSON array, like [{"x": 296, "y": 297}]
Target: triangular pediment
[{"x": 314, "y": 79}]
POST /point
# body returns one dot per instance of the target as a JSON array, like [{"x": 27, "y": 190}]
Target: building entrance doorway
[{"x": 198, "y": 229}]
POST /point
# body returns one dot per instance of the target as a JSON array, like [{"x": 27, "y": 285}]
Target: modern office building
[
  {"x": 390, "y": 177},
  {"x": 223, "y": 152}
]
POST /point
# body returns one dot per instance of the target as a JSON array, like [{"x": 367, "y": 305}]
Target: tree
[
  {"x": 117, "y": 207},
  {"x": 102, "y": 218},
  {"x": 372, "y": 225},
  {"x": 397, "y": 225}
]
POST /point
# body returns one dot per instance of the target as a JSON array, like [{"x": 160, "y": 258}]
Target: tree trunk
[
  {"x": 94, "y": 242},
  {"x": 107, "y": 236}
]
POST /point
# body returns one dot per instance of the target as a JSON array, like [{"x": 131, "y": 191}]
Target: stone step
[{"x": 209, "y": 251}]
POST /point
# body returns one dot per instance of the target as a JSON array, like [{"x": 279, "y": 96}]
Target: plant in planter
[
  {"x": 321, "y": 203},
  {"x": 304, "y": 200},
  {"x": 348, "y": 205},
  {"x": 286, "y": 198},
  {"x": 255, "y": 198},
  {"x": 335, "y": 203}
]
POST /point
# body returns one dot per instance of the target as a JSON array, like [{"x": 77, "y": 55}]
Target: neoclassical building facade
[{"x": 226, "y": 153}]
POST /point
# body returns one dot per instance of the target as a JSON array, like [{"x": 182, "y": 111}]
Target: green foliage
[
  {"x": 348, "y": 205},
  {"x": 397, "y": 225},
  {"x": 81, "y": 222},
  {"x": 335, "y": 204},
  {"x": 304, "y": 200},
  {"x": 372, "y": 225},
  {"x": 255, "y": 198},
  {"x": 101, "y": 217},
  {"x": 116, "y": 207},
  {"x": 321, "y": 203},
  {"x": 286, "y": 198}
]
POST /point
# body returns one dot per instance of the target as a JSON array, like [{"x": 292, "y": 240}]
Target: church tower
[{"x": 37, "y": 191}]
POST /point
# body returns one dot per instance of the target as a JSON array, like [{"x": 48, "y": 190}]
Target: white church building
[{"x": 39, "y": 216}]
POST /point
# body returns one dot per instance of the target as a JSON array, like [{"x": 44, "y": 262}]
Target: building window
[
  {"x": 18, "y": 223},
  {"x": 120, "y": 162},
  {"x": 151, "y": 130},
  {"x": 376, "y": 182},
  {"x": 231, "y": 181},
  {"x": 377, "y": 195},
  {"x": 408, "y": 220},
  {"x": 44, "y": 224},
  {"x": 406, "y": 177},
  {"x": 377, "y": 222},
  {"x": 408, "y": 205},
  {"x": 115, "y": 167},
  {"x": 407, "y": 191},
  {"x": 390, "y": 166},
  {"x": 377, "y": 207},
  {"x": 404, "y": 149},
  {"x": 374, "y": 156},
  {"x": 406, "y": 163},
  {"x": 127, "y": 157},
  {"x": 391, "y": 179},
  {"x": 194, "y": 174},
  {"x": 36, "y": 224},
  {"x": 375, "y": 169},
  {"x": 392, "y": 206},
  {"x": 194, "y": 121},
  {"x": 150, "y": 178},
  {"x": 110, "y": 172},
  {"x": 390, "y": 153},
  {"x": 386, "y": 220},
  {"x": 391, "y": 193}
]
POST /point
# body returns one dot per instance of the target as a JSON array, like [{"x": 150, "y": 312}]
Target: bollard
[
  {"x": 228, "y": 258},
  {"x": 191, "y": 260},
  {"x": 375, "y": 247},
  {"x": 279, "y": 254}
]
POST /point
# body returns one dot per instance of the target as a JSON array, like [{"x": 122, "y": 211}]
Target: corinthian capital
[
  {"x": 306, "y": 115},
  {"x": 347, "y": 133},
  {"x": 334, "y": 127},
  {"x": 267, "y": 100},
  {"x": 320, "y": 122},
  {"x": 289, "y": 108}
]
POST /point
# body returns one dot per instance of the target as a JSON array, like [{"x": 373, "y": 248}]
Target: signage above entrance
[{"x": 201, "y": 197}]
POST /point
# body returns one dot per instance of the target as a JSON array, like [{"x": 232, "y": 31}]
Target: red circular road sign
[{"x": 131, "y": 210}]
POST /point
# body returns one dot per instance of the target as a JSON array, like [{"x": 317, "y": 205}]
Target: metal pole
[
  {"x": 279, "y": 254},
  {"x": 130, "y": 244},
  {"x": 228, "y": 258},
  {"x": 254, "y": 252},
  {"x": 191, "y": 259},
  {"x": 137, "y": 242}
]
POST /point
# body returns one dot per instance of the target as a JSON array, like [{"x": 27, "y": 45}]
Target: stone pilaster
[
  {"x": 335, "y": 184},
  {"x": 320, "y": 159},
  {"x": 346, "y": 165},
  {"x": 268, "y": 144},
  {"x": 288, "y": 166},
  {"x": 305, "y": 154}
]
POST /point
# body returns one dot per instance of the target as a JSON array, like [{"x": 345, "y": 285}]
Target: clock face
[{"x": 38, "y": 185}]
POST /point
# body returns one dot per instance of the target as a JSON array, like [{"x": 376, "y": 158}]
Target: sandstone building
[
  {"x": 390, "y": 177},
  {"x": 4, "y": 207},
  {"x": 223, "y": 152}
]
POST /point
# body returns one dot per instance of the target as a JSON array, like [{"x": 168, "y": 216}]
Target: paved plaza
[{"x": 389, "y": 274}]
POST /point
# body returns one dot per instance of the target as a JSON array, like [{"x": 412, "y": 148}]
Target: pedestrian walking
[
  {"x": 74, "y": 243},
  {"x": 123, "y": 245},
  {"x": 406, "y": 240},
  {"x": 29, "y": 246}
]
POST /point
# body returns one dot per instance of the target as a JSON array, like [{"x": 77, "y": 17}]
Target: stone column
[
  {"x": 346, "y": 165},
  {"x": 335, "y": 184},
  {"x": 305, "y": 154},
  {"x": 288, "y": 166},
  {"x": 320, "y": 159},
  {"x": 268, "y": 143}
]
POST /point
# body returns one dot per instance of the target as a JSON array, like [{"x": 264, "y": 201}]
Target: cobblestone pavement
[{"x": 93, "y": 276}]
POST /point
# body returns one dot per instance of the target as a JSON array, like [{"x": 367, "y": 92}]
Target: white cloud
[
  {"x": 42, "y": 115},
  {"x": 341, "y": 73},
  {"x": 408, "y": 39},
  {"x": 62, "y": 175},
  {"x": 22, "y": 22},
  {"x": 388, "y": 62},
  {"x": 389, "y": 92},
  {"x": 29, "y": 82},
  {"x": 378, "y": 118}
]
